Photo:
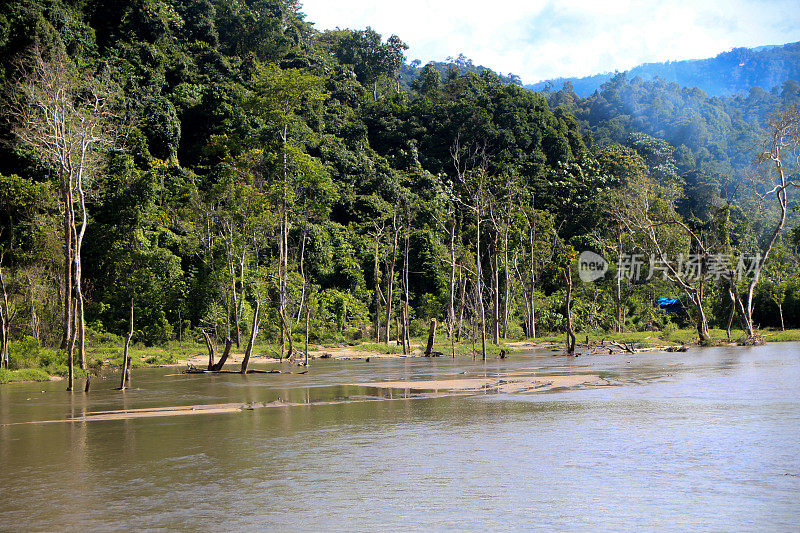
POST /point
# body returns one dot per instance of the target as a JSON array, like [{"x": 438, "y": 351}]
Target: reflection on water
[{"x": 702, "y": 440}]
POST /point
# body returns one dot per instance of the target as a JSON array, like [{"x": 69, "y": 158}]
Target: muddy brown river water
[{"x": 707, "y": 440}]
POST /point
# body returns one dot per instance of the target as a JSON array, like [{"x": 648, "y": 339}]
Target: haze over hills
[{"x": 726, "y": 74}]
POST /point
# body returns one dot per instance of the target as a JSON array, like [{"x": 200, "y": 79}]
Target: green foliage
[
  {"x": 27, "y": 374},
  {"x": 29, "y": 354},
  {"x": 247, "y": 133}
]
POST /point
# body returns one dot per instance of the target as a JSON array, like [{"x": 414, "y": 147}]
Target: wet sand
[{"x": 506, "y": 383}]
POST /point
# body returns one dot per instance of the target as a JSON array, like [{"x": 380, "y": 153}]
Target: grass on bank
[
  {"x": 24, "y": 374},
  {"x": 29, "y": 361}
]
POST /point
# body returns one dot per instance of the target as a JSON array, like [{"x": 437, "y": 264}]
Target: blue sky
[{"x": 541, "y": 39}]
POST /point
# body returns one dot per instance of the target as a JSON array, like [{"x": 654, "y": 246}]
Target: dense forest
[
  {"x": 727, "y": 74},
  {"x": 221, "y": 167}
]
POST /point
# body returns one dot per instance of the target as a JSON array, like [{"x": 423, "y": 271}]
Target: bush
[
  {"x": 514, "y": 331},
  {"x": 24, "y": 354},
  {"x": 26, "y": 374}
]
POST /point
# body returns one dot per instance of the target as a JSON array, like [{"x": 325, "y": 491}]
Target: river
[{"x": 696, "y": 441}]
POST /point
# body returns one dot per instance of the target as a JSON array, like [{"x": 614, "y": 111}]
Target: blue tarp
[{"x": 671, "y": 306}]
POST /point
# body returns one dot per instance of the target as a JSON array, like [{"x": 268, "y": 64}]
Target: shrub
[
  {"x": 24, "y": 354},
  {"x": 25, "y": 374}
]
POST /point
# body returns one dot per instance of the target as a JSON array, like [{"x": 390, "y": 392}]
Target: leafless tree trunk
[
  {"x": 619, "y": 326},
  {"x": 567, "y": 274},
  {"x": 66, "y": 119},
  {"x": 479, "y": 280},
  {"x": 253, "y": 333},
  {"x": 224, "y": 358},
  {"x": 403, "y": 336},
  {"x": 471, "y": 167},
  {"x": 126, "y": 360},
  {"x": 66, "y": 330},
  {"x": 431, "y": 338},
  {"x": 494, "y": 265},
  {"x": 507, "y": 295},
  {"x": 6, "y": 317},
  {"x": 305, "y": 350},
  {"x": 461, "y": 300},
  {"x": 210, "y": 347},
  {"x": 525, "y": 297},
  {"x": 451, "y": 309},
  {"x": 390, "y": 275},
  {"x": 377, "y": 274},
  {"x": 783, "y": 143},
  {"x": 71, "y": 350},
  {"x": 406, "y": 286}
]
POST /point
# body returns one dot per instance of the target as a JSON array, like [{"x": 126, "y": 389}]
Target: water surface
[{"x": 704, "y": 440}]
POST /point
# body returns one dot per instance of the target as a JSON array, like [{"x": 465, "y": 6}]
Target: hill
[{"x": 726, "y": 74}]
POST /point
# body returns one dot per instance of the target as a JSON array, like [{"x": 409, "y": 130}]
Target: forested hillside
[
  {"x": 223, "y": 167},
  {"x": 716, "y": 136},
  {"x": 727, "y": 74}
]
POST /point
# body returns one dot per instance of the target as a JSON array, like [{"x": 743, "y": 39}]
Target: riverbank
[{"x": 109, "y": 355}]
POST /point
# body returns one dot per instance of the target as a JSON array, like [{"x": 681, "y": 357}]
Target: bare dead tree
[
  {"x": 566, "y": 273},
  {"x": 377, "y": 233},
  {"x": 391, "y": 262},
  {"x": 68, "y": 120},
  {"x": 126, "y": 360},
  {"x": 7, "y": 314},
  {"x": 644, "y": 211},
  {"x": 782, "y": 146},
  {"x": 471, "y": 166},
  {"x": 253, "y": 333}
]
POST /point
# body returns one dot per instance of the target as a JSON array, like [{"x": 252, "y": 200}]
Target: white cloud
[{"x": 540, "y": 39}]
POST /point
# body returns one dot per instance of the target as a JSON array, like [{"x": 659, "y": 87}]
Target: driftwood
[
  {"x": 191, "y": 369},
  {"x": 605, "y": 347},
  {"x": 676, "y": 348},
  {"x": 627, "y": 348}
]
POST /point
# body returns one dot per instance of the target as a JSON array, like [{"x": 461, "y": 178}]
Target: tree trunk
[
  {"x": 305, "y": 350},
  {"x": 225, "y": 353},
  {"x": 780, "y": 312},
  {"x": 241, "y": 299},
  {"x": 730, "y": 315},
  {"x": 461, "y": 301},
  {"x": 619, "y": 326},
  {"x": 451, "y": 311},
  {"x": 779, "y": 143},
  {"x": 68, "y": 258},
  {"x": 5, "y": 321},
  {"x": 570, "y": 331},
  {"x": 126, "y": 361},
  {"x": 431, "y": 338},
  {"x": 532, "y": 243},
  {"x": 390, "y": 277},
  {"x": 81, "y": 333},
  {"x": 494, "y": 264},
  {"x": 302, "y": 276},
  {"x": 253, "y": 332},
  {"x": 702, "y": 320},
  {"x": 478, "y": 276},
  {"x": 507, "y": 294},
  {"x": 406, "y": 290},
  {"x": 403, "y": 330},
  {"x": 71, "y": 350},
  {"x": 210, "y": 348},
  {"x": 378, "y": 293}
]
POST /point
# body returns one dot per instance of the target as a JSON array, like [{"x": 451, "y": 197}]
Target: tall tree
[{"x": 67, "y": 118}]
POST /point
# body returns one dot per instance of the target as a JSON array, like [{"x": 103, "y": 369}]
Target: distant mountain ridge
[{"x": 726, "y": 74}]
